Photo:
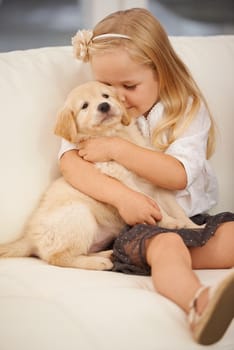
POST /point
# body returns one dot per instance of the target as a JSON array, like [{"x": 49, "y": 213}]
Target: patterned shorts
[{"x": 129, "y": 247}]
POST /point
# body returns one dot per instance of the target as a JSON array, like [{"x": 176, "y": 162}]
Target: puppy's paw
[
  {"x": 105, "y": 253},
  {"x": 102, "y": 263},
  {"x": 193, "y": 225},
  {"x": 171, "y": 223}
]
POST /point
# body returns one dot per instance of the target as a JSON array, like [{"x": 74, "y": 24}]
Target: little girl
[{"x": 130, "y": 51}]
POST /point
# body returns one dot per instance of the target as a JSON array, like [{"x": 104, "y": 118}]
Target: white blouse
[{"x": 190, "y": 149}]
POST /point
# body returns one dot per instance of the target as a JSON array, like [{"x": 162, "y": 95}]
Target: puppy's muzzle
[{"x": 104, "y": 107}]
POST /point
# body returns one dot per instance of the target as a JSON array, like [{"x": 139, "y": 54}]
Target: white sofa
[{"x": 45, "y": 307}]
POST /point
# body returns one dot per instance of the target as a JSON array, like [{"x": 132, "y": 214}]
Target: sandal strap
[{"x": 193, "y": 315}]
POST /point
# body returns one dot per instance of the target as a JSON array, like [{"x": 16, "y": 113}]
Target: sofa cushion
[
  {"x": 48, "y": 307},
  {"x": 33, "y": 85}
]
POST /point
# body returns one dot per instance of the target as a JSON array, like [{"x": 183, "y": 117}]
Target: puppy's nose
[{"x": 104, "y": 107}]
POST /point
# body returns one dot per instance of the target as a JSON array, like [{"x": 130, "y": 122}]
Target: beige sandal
[{"x": 210, "y": 326}]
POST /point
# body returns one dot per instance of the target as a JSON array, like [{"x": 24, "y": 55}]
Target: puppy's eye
[
  {"x": 85, "y": 105},
  {"x": 105, "y": 96}
]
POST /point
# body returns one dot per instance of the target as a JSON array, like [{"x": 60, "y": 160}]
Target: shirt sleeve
[
  {"x": 66, "y": 146},
  {"x": 190, "y": 147}
]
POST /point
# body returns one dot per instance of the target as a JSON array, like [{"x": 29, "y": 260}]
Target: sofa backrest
[{"x": 33, "y": 86}]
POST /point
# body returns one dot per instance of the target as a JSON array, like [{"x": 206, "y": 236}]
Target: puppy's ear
[
  {"x": 66, "y": 126},
  {"x": 125, "y": 118}
]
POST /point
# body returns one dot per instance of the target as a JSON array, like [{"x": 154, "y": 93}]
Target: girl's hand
[
  {"x": 138, "y": 208},
  {"x": 98, "y": 149}
]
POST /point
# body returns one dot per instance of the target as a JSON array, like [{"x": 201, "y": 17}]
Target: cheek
[
  {"x": 151, "y": 95},
  {"x": 134, "y": 97},
  {"x": 141, "y": 100},
  {"x": 144, "y": 102}
]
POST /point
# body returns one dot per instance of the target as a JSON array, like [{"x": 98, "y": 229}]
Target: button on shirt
[{"x": 200, "y": 193}]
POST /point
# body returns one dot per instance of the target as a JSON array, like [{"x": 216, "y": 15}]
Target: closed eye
[
  {"x": 130, "y": 87},
  {"x": 85, "y": 105}
]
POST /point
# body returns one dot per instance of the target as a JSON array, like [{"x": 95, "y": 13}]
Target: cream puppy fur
[{"x": 69, "y": 228}]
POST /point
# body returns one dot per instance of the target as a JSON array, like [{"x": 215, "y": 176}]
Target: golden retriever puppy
[{"x": 69, "y": 228}]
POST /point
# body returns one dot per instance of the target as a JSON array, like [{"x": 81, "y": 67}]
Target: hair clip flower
[{"x": 81, "y": 43}]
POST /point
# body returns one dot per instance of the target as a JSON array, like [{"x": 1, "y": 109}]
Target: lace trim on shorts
[{"x": 129, "y": 247}]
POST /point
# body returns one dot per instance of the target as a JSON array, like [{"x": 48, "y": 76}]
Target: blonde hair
[{"x": 150, "y": 45}]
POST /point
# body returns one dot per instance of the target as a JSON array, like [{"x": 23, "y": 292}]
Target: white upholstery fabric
[
  {"x": 33, "y": 85},
  {"x": 47, "y": 307}
]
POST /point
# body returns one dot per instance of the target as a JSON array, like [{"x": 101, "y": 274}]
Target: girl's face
[{"x": 136, "y": 84}]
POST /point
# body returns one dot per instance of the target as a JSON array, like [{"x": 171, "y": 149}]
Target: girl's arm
[
  {"x": 134, "y": 207},
  {"x": 174, "y": 170},
  {"x": 159, "y": 168}
]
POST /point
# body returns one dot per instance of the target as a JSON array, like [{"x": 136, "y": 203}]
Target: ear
[
  {"x": 66, "y": 126},
  {"x": 125, "y": 118}
]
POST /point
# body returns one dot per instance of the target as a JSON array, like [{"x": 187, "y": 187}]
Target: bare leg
[
  {"x": 218, "y": 251},
  {"x": 173, "y": 277},
  {"x": 171, "y": 269},
  {"x": 170, "y": 260}
]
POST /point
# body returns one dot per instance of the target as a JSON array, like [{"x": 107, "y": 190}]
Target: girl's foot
[{"x": 210, "y": 325}]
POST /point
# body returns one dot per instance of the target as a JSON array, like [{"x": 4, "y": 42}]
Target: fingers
[
  {"x": 83, "y": 139},
  {"x": 82, "y": 143},
  {"x": 155, "y": 214},
  {"x": 81, "y": 153},
  {"x": 148, "y": 216},
  {"x": 82, "y": 148},
  {"x": 146, "y": 212},
  {"x": 150, "y": 221},
  {"x": 155, "y": 205}
]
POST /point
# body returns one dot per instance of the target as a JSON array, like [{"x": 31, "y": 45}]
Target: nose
[
  {"x": 103, "y": 107},
  {"x": 121, "y": 95}
]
